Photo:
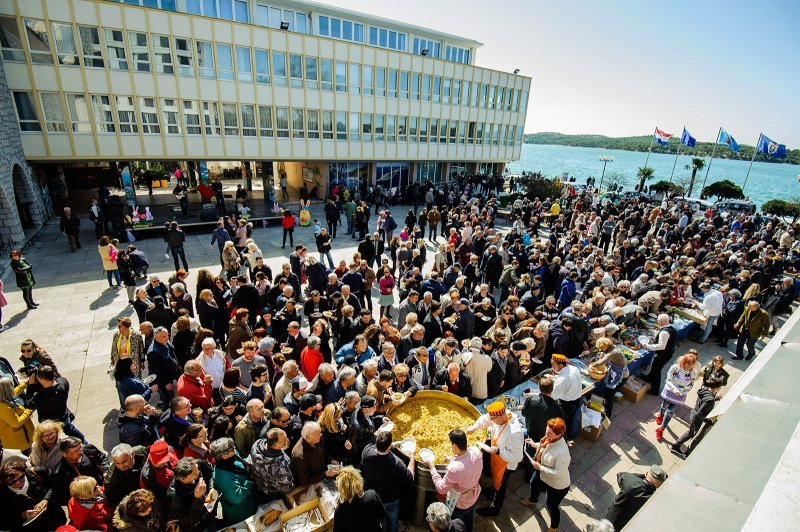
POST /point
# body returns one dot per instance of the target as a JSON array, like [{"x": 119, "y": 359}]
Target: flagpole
[
  {"x": 713, "y": 151},
  {"x": 676, "y": 156},
  {"x": 650, "y": 148},
  {"x": 753, "y": 158}
]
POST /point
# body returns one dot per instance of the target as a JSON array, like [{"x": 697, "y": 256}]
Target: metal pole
[
  {"x": 753, "y": 158},
  {"x": 602, "y": 175},
  {"x": 678, "y": 152},
  {"x": 713, "y": 151},
  {"x": 650, "y": 148}
]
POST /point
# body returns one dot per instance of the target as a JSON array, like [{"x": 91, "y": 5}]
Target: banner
[{"x": 127, "y": 184}]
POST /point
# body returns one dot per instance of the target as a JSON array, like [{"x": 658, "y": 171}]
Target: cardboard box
[
  {"x": 635, "y": 389},
  {"x": 324, "y": 524}
]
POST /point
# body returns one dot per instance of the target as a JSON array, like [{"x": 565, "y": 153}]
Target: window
[
  {"x": 262, "y": 66},
  {"x": 366, "y": 127},
  {"x": 272, "y": 17},
  {"x": 465, "y": 94},
  {"x": 434, "y": 47},
  {"x": 90, "y": 47},
  {"x": 456, "y": 91},
  {"x": 487, "y": 134},
  {"x": 224, "y": 61},
  {"x": 453, "y": 131},
  {"x": 298, "y": 124},
  {"x": 248, "y": 120},
  {"x": 412, "y": 129},
  {"x": 79, "y": 115},
  {"x": 484, "y": 95},
  {"x": 169, "y": 112},
  {"x": 380, "y": 82},
  {"x": 162, "y": 54},
  {"x": 492, "y": 96},
  {"x": 437, "y": 89},
  {"x": 443, "y": 132},
  {"x": 473, "y": 94},
  {"x": 392, "y": 83},
  {"x": 324, "y": 26},
  {"x": 265, "y": 127},
  {"x": 387, "y": 39},
  {"x": 312, "y": 76},
  {"x": 64, "y": 37},
  {"x": 355, "y": 78},
  {"x": 279, "y": 68},
  {"x": 446, "y": 90},
  {"x": 282, "y": 122},
  {"x": 523, "y": 101},
  {"x": 38, "y": 42},
  {"x": 183, "y": 56},
  {"x": 10, "y": 41},
  {"x": 191, "y": 117},
  {"x": 326, "y": 74},
  {"x": 241, "y": 11},
  {"x": 355, "y": 126},
  {"x": 230, "y": 118},
  {"x": 147, "y": 108},
  {"x": 115, "y": 49},
  {"x": 496, "y": 136},
  {"x": 341, "y": 125},
  {"x": 402, "y": 128},
  {"x": 53, "y": 112},
  {"x": 126, "y": 114},
  {"x": 327, "y": 125},
  {"x": 103, "y": 117},
  {"x": 423, "y": 130},
  {"x": 341, "y": 29},
  {"x": 205, "y": 59},
  {"x": 244, "y": 65},
  {"x": 456, "y": 54},
  {"x": 313, "y": 123},
  {"x": 296, "y": 71},
  {"x": 415, "y": 86},
  {"x": 390, "y": 128},
  {"x": 434, "y": 129},
  {"x": 404, "y": 85},
  {"x": 426, "y": 88},
  {"x": 140, "y": 52},
  {"x": 211, "y": 118},
  {"x": 380, "y": 121},
  {"x": 367, "y": 80},
  {"x": 341, "y": 76},
  {"x": 511, "y": 134},
  {"x": 479, "y": 133},
  {"x": 501, "y": 96}
]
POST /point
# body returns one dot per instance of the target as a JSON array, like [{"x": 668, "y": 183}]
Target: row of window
[
  {"x": 82, "y": 45},
  {"x": 195, "y": 117}
]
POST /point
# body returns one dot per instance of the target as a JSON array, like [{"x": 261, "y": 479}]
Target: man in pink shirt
[{"x": 461, "y": 478}]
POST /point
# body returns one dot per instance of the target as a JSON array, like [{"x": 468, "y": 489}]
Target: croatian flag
[{"x": 661, "y": 137}]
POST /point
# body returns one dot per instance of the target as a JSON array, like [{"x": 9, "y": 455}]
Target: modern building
[{"x": 273, "y": 87}]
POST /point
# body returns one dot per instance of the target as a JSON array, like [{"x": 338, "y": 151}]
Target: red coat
[
  {"x": 288, "y": 222},
  {"x": 95, "y": 517},
  {"x": 310, "y": 359},
  {"x": 196, "y": 391}
]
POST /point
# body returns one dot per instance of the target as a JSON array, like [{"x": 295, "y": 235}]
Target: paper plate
[
  {"x": 408, "y": 447},
  {"x": 150, "y": 379},
  {"x": 426, "y": 454},
  {"x": 643, "y": 339},
  {"x": 386, "y": 427}
]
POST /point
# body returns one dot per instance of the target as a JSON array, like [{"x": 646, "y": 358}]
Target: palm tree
[
  {"x": 697, "y": 165},
  {"x": 644, "y": 173}
]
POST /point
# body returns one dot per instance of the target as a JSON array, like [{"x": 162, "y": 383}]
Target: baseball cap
[
  {"x": 308, "y": 400},
  {"x": 159, "y": 453},
  {"x": 299, "y": 383},
  {"x": 658, "y": 473}
]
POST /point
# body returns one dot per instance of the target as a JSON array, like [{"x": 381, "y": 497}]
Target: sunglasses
[{"x": 26, "y": 350}]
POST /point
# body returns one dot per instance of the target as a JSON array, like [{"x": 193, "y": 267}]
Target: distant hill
[{"x": 702, "y": 149}]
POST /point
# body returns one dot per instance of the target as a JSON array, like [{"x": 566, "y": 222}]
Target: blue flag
[
  {"x": 687, "y": 139},
  {"x": 770, "y": 147},
  {"x": 726, "y": 140}
]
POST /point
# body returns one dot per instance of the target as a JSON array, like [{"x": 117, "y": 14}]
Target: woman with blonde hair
[
  {"x": 88, "y": 508},
  {"x": 680, "y": 379},
  {"x": 230, "y": 260},
  {"x": 45, "y": 451},
  {"x": 411, "y": 322},
  {"x": 334, "y": 433},
  {"x": 108, "y": 254},
  {"x": 127, "y": 343},
  {"x": 16, "y": 427},
  {"x": 358, "y": 509}
]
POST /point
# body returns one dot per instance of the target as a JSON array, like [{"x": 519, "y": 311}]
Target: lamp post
[{"x": 606, "y": 159}]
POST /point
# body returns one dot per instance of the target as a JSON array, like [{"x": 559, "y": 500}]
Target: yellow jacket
[{"x": 16, "y": 426}]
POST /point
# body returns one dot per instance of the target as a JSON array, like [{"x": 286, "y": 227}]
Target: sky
[{"x": 624, "y": 67}]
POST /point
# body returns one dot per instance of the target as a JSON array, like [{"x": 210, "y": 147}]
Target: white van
[{"x": 696, "y": 205}]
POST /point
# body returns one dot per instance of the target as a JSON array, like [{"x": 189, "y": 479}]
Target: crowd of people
[{"x": 261, "y": 381}]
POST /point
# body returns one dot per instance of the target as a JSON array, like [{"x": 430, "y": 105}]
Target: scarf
[
  {"x": 543, "y": 443},
  {"x": 124, "y": 341}
]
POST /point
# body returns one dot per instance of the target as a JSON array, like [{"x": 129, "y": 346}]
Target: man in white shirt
[
  {"x": 712, "y": 305},
  {"x": 567, "y": 387},
  {"x": 213, "y": 362}
]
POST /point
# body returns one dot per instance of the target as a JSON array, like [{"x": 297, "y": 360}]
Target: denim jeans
[
  {"x": 178, "y": 252},
  {"x": 324, "y": 254},
  {"x": 349, "y": 225},
  {"x": 115, "y": 275},
  {"x": 392, "y": 515},
  {"x": 466, "y": 515},
  {"x": 709, "y": 327}
]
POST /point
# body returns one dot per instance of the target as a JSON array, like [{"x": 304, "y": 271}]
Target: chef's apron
[{"x": 498, "y": 464}]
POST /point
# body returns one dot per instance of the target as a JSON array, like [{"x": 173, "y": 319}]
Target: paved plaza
[{"x": 77, "y": 318}]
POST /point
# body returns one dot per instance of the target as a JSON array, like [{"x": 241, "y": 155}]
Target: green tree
[
  {"x": 665, "y": 187},
  {"x": 536, "y": 185},
  {"x": 725, "y": 189},
  {"x": 782, "y": 208},
  {"x": 697, "y": 165},
  {"x": 645, "y": 173}
]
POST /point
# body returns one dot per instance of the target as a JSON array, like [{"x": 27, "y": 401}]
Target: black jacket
[
  {"x": 442, "y": 378},
  {"x": 120, "y": 483},
  {"x": 13, "y": 505},
  {"x": 175, "y": 238},
  {"x": 537, "y": 412},
  {"x": 191, "y": 512},
  {"x": 161, "y": 360},
  {"x": 93, "y": 463},
  {"x": 71, "y": 225},
  {"x": 634, "y": 491},
  {"x": 140, "y": 430},
  {"x": 49, "y": 403}
]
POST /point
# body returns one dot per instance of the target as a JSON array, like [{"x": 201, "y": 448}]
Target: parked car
[
  {"x": 736, "y": 207},
  {"x": 696, "y": 205}
]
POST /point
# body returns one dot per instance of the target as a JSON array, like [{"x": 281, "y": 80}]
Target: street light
[{"x": 606, "y": 159}]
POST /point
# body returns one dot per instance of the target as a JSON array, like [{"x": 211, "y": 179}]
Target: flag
[
  {"x": 687, "y": 139},
  {"x": 770, "y": 147},
  {"x": 726, "y": 140},
  {"x": 661, "y": 137}
]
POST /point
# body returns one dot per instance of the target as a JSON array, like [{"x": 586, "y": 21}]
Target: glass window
[
  {"x": 471, "y": 133},
  {"x": 226, "y": 9},
  {"x": 465, "y": 94},
  {"x": 301, "y": 23},
  {"x": 103, "y": 118},
  {"x": 205, "y": 59},
  {"x": 393, "y": 40},
  {"x": 336, "y": 28},
  {"x": 210, "y": 8},
  {"x": 326, "y": 74},
  {"x": 446, "y": 90},
  {"x": 390, "y": 128},
  {"x": 402, "y": 128},
  {"x": 296, "y": 70},
  {"x": 484, "y": 95},
  {"x": 324, "y": 26},
  {"x": 298, "y": 124},
  {"x": 496, "y": 136},
  {"x": 437, "y": 89},
  {"x": 355, "y": 78},
  {"x": 383, "y": 37},
  {"x": 312, "y": 76},
  {"x": 282, "y": 122},
  {"x": 191, "y": 117},
  {"x": 140, "y": 51},
  {"x": 511, "y": 134},
  {"x": 79, "y": 114},
  {"x": 347, "y": 30},
  {"x": 426, "y": 88},
  {"x": 401, "y": 42},
  {"x": 341, "y": 125},
  {"x": 147, "y": 108},
  {"x": 358, "y": 33},
  {"x": 442, "y": 132},
  {"x": 523, "y": 101},
  {"x": 392, "y": 83},
  {"x": 423, "y": 130},
  {"x": 355, "y": 126},
  {"x": 262, "y": 66},
  {"x": 487, "y": 136},
  {"x": 10, "y": 41},
  {"x": 211, "y": 118},
  {"x": 373, "y": 36},
  {"x": 64, "y": 37},
  {"x": 380, "y": 121},
  {"x": 456, "y": 91},
  {"x": 230, "y": 118},
  {"x": 193, "y": 7},
  {"x": 279, "y": 68},
  {"x": 341, "y": 76},
  {"x": 415, "y": 86},
  {"x": 367, "y": 74},
  {"x": 53, "y": 112},
  {"x": 163, "y": 54},
  {"x": 453, "y": 131},
  {"x": 183, "y": 55},
  {"x": 412, "y": 129},
  {"x": 492, "y": 96},
  {"x": 380, "y": 82},
  {"x": 366, "y": 127},
  {"x": 90, "y": 47},
  {"x": 38, "y": 41},
  {"x": 115, "y": 49},
  {"x": 126, "y": 114},
  {"x": 313, "y": 123},
  {"x": 242, "y": 14},
  {"x": 225, "y": 61},
  {"x": 479, "y": 133},
  {"x": 473, "y": 94},
  {"x": 275, "y": 18},
  {"x": 327, "y": 125},
  {"x": 404, "y": 85},
  {"x": 248, "y": 120},
  {"x": 265, "y": 127},
  {"x": 501, "y": 96},
  {"x": 434, "y": 129},
  {"x": 169, "y": 113},
  {"x": 244, "y": 64}
]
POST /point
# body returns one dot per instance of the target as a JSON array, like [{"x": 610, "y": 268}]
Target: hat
[
  {"x": 658, "y": 473},
  {"x": 496, "y": 409},
  {"x": 463, "y": 301},
  {"x": 466, "y": 357},
  {"x": 367, "y": 401},
  {"x": 298, "y": 384},
  {"x": 559, "y": 358},
  {"x": 159, "y": 453},
  {"x": 308, "y": 400}
]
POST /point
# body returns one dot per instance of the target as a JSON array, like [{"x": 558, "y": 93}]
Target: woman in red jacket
[
  {"x": 288, "y": 227},
  {"x": 310, "y": 358},
  {"x": 88, "y": 508}
]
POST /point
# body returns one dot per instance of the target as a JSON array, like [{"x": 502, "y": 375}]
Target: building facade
[{"x": 295, "y": 88}]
